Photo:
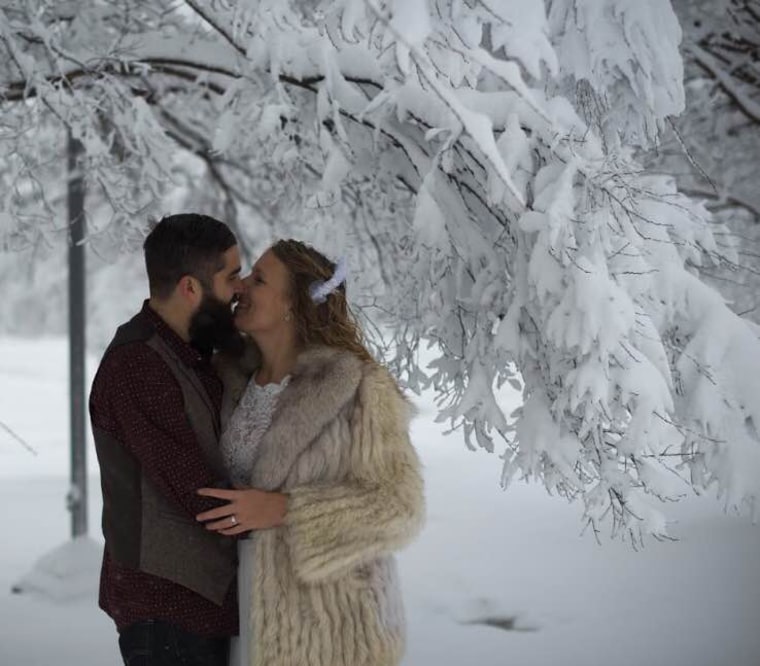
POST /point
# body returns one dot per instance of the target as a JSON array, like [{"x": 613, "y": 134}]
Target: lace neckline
[{"x": 270, "y": 386}]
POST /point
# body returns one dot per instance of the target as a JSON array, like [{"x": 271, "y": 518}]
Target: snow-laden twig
[
  {"x": 23, "y": 443},
  {"x": 749, "y": 106}
]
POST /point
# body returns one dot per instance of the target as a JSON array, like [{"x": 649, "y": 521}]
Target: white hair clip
[{"x": 320, "y": 290}]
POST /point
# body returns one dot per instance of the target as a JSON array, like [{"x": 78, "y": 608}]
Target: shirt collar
[{"x": 188, "y": 354}]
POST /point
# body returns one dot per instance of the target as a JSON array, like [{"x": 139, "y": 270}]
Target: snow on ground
[{"x": 496, "y": 578}]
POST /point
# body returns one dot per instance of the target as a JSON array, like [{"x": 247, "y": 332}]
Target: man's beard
[{"x": 212, "y": 327}]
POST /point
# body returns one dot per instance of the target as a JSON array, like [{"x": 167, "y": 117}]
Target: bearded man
[{"x": 167, "y": 582}]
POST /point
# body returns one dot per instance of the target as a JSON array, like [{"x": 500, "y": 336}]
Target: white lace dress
[{"x": 239, "y": 441}]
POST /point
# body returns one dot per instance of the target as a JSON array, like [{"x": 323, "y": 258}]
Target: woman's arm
[{"x": 332, "y": 528}]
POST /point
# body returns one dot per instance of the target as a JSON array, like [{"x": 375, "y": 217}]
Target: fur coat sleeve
[{"x": 379, "y": 506}]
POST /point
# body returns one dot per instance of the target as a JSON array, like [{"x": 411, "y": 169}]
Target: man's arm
[{"x": 136, "y": 398}]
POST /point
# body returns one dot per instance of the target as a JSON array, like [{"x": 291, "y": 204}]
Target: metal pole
[{"x": 77, "y": 498}]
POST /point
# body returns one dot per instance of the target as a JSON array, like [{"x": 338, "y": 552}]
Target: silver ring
[{"x": 234, "y": 520}]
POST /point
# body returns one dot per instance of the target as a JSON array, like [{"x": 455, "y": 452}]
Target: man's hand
[{"x": 248, "y": 509}]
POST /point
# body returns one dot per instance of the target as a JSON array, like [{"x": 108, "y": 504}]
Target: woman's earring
[{"x": 287, "y": 316}]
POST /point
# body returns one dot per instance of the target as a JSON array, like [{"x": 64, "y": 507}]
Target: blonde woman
[{"x": 317, "y": 432}]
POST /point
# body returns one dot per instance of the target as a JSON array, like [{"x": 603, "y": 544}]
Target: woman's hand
[{"x": 248, "y": 509}]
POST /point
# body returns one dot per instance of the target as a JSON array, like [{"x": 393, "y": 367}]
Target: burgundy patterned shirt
[{"x": 137, "y": 400}]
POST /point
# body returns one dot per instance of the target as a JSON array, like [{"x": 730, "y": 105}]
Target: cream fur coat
[{"x": 325, "y": 588}]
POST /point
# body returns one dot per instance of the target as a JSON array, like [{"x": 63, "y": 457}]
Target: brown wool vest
[{"x": 143, "y": 530}]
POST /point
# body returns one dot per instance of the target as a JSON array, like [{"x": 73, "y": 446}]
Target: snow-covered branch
[
  {"x": 749, "y": 106},
  {"x": 477, "y": 159}
]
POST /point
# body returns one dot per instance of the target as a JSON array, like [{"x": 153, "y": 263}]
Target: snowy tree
[
  {"x": 722, "y": 48},
  {"x": 478, "y": 160},
  {"x": 714, "y": 146}
]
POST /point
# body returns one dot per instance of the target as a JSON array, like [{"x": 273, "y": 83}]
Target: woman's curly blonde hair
[{"x": 330, "y": 323}]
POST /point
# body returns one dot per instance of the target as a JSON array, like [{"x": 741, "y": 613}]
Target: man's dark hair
[{"x": 185, "y": 244}]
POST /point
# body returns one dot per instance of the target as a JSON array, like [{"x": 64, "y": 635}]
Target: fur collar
[{"x": 323, "y": 382}]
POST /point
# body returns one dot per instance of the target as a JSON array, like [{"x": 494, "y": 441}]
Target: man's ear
[{"x": 190, "y": 289}]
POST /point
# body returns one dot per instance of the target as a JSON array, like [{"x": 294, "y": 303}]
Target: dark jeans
[{"x": 158, "y": 643}]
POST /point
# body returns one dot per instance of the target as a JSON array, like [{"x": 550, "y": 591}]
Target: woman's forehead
[{"x": 269, "y": 263}]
